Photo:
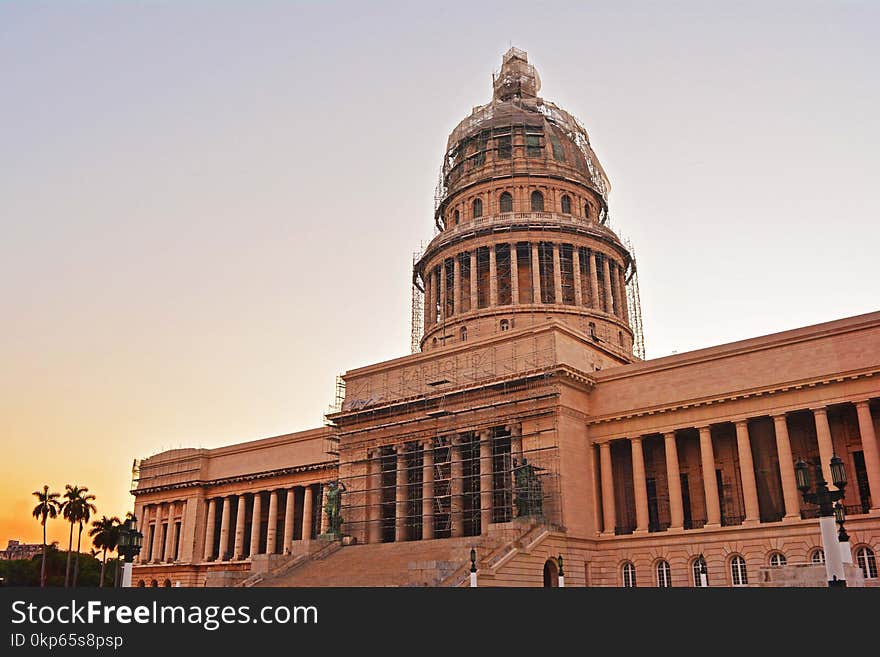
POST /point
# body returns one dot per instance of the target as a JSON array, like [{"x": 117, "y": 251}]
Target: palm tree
[
  {"x": 47, "y": 507},
  {"x": 78, "y": 508},
  {"x": 105, "y": 536}
]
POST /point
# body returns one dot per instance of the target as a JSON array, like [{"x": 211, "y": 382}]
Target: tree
[
  {"x": 47, "y": 507},
  {"x": 105, "y": 536},
  {"x": 78, "y": 508}
]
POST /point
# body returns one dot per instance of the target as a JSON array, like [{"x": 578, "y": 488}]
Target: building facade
[{"x": 528, "y": 426}]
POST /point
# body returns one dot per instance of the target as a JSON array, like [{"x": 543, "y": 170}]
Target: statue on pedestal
[{"x": 333, "y": 507}]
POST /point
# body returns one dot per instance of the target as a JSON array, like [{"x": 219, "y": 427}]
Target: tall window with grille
[
  {"x": 533, "y": 144},
  {"x": 778, "y": 559},
  {"x": 505, "y": 202},
  {"x": 537, "y": 201},
  {"x": 664, "y": 574},
  {"x": 628, "y": 575},
  {"x": 505, "y": 146},
  {"x": 867, "y": 562},
  {"x": 738, "y": 574},
  {"x": 700, "y": 572},
  {"x": 566, "y": 204}
]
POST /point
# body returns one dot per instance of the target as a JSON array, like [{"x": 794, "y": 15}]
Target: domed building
[{"x": 527, "y": 436}]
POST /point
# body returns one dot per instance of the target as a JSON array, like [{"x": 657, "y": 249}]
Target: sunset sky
[{"x": 209, "y": 209}]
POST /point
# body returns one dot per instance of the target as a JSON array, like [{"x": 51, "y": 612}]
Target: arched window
[
  {"x": 566, "y": 204},
  {"x": 701, "y": 573},
  {"x": 738, "y": 574},
  {"x": 867, "y": 562},
  {"x": 620, "y": 337},
  {"x": 817, "y": 556},
  {"x": 593, "y": 331},
  {"x": 505, "y": 202},
  {"x": 141, "y": 584},
  {"x": 167, "y": 584},
  {"x": 551, "y": 574},
  {"x": 537, "y": 201},
  {"x": 456, "y": 217},
  {"x": 778, "y": 559},
  {"x": 664, "y": 575},
  {"x": 434, "y": 342},
  {"x": 154, "y": 584},
  {"x": 478, "y": 208},
  {"x": 628, "y": 573},
  {"x": 505, "y": 324},
  {"x": 587, "y": 210},
  {"x": 463, "y": 333}
]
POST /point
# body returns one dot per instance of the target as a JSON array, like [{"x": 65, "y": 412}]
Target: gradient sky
[{"x": 209, "y": 209}]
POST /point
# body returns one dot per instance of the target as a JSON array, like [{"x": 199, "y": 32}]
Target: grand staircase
[{"x": 440, "y": 562}]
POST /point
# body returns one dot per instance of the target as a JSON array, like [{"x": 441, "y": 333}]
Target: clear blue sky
[{"x": 209, "y": 209}]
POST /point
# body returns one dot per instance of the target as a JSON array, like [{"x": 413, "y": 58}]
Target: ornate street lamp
[
  {"x": 561, "y": 572},
  {"x": 130, "y": 541},
  {"x": 473, "y": 568},
  {"x": 828, "y": 514},
  {"x": 701, "y": 568},
  {"x": 842, "y": 536}
]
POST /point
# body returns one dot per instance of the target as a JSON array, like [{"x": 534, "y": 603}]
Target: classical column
[
  {"x": 607, "y": 475},
  {"x": 400, "y": 496},
  {"x": 475, "y": 294},
  {"x": 790, "y": 493},
  {"x": 557, "y": 274},
  {"x": 255, "y": 524},
  {"x": 710, "y": 484},
  {"x": 536, "y": 274},
  {"x": 457, "y": 486},
  {"x": 486, "y": 479},
  {"x": 209, "y": 529},
  {"x": 673, "y": 481},
  {"x": 427, "y": 490},
  {"x": 456, "y": 285},
  {"x": 272, "y": 531},
  {"x": 493, "y": 276},
  {"x": 826, "y": 448},
  {"x": 747, "y": 472},
  {"x": 514, "y": 275},
  {"x": 606, "y": 275},
  {"x": 170, "y": 538},
  {"x": 156, "y": 552},
  {"x": 287, "y": 537},
  {"x": 238, "y": 551},
  {"x": 640, "y": 488},
  {"x": 307, "y": 519},
  {"x": 427, "y": 307},
  {"x": 870, "y": 450},
  {"x": 443, "y": 290},
  {"x": 594, "y": 281},
  {"x": 576, "y": 273},
  {"x": 180, "y": 533},
  {"x": 224, "y": 528},
  {"x": 325, "y": 519},
  {"x": 374, "y": 496}
]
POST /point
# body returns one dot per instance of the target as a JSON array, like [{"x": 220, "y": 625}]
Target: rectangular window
[
  {"x": 533, "y": 145},
  {"x": 558, "y": 151},
  {"x": 505, "y": 146}
]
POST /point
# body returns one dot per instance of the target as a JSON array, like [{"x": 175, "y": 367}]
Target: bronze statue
[{"x": 333, "y": 506}]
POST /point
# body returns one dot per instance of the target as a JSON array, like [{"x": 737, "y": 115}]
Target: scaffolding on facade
[
  {"x": 418, "y": 307},
  {"x": 634, "y": 303}
]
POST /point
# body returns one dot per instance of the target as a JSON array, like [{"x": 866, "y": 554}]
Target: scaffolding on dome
[
  {"x": 418, "y": 307},
  {"x": 634, "y": 303}
]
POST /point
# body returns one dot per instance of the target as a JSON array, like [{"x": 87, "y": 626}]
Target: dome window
[
  {"x": 566, "y": 204},
  {"x": 478, "y": 208},
  {"x": 463, "y": 333},
  {"x": 505, "y": 324},
  {"x": 456, "y": 216},
  {"x": 537, "y": 201},
  {"x": 506, "y": 202}
]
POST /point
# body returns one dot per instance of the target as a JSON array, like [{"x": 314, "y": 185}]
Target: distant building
[
  {"x": 528, "y": 425},
  {"x": 16, "y": 550}
]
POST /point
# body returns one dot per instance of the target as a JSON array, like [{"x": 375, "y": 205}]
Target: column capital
[
  {"x": 741, "y": 422},
  {"x": 860, "y": 403},
  {"x": 427, "y": 443},
  {"x": 669, "y": 435},
  {"x": 635, "y": 439},
  {"x": 819, "y": 410},
  {"x": 703, "y": 427},
  {"x": 779, "y": 416}
]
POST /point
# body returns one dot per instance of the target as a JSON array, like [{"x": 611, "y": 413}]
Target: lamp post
[
  {"x": 473, "y": 568},
  {"x": 701, "y": 566},
  {"x": 825, "y": 499},
  {"x": 130, "y": 541},
  {"x": 842, "y": 536},
  {"x": 561, "y": 572}
]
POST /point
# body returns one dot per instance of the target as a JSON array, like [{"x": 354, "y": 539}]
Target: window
[
  {"x": 620, "y": 337},
  {"x": 533, "y": 145},
  {"x": 463, "y": 333},
  {"x": 566, "y": 204},
  {"x": 504, "y": 145},
  {"x": 738, "y": 574},
  {"x": 593, "y": 331},
  {"x": 455, "y": 217},
  {"x": 629, "y": 575},
  {"x": 558, "y": 151},
  {"x": 434, "y": 342},
  {"x": 478, "y": 208},
  {"x": 701, "y": 573},
  {"x": 505, "y": 202},
  {"x": 587, "y": 210},
  {"x": 505, "y": 324},
  {"x": 778, "y": 559},
  {"x": 817, "y": 556},
  {"x": 867, "y": 562},
  {"x": 664, "y": 575},
  {"x": 537, "y": 202}
]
